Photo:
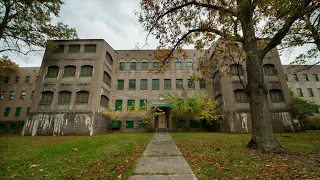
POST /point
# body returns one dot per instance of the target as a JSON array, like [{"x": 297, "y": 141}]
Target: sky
[{"x": 112, "y": 20}]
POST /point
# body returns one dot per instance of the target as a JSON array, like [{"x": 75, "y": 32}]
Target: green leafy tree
[
  {"x": 25, "y": 25},
  {"x": 6, "y": 66},
  {"x": 176, "y": 23}
]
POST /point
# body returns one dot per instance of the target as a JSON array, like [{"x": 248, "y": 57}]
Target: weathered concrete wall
[{"x": 82, "y": 123}]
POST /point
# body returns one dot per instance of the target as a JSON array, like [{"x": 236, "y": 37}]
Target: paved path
[{"x": 162, "y": 160}]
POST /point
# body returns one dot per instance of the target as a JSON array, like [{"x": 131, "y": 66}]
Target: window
[
  {"x": 26, "y": 79},
  {"x": 82, "y": 97},
  {"x": 130, "y": 105},
  {"x": 143, "y": 84},
  {"x": 168, "y": 65},
  {"x": 269, "y": 70},
  {"x": 59, "y": 49},
  {"x": 104, "y": 101},
  {"x": 64, "y": 97},
  {"x": 107, "y": 78},
  {"x": 28, "y": 108},
  {"x": 315, "y": 77},
  {"x": 46, "y": 97},
  {"x": 178, "y": 65},
  {"x": 118, "y": 105},
  {"x": 155, "y": 84},
  {"x": 6, "y": 112},
  {"x": 2, "y": 95},
  {"x": 120, "y": 84},
  {"x": 129, "y": 124},
  {"x": 276, "y": 95},
  {"x": 13, "y": 127},
  {"x": 316, "y": 110},
  {"x": 190, "y": 84},
  {"x": 216, "y": 77},
  {"x": 236, "y": 69},
  {"x": 90, "y": 48},
  {"x": 299, "y": 92},
  {"x": 286, "y": 76},
  {"x": 142, "y": 124},
  {"x": 132, "y": 84},
  {"x": 11, "y": 97},
  {"x": 143, "y": 104},
  {"x": 122, "y": 66},
  {"x": 74, "y": 48},
  {"x": 31, "y": 95},
  {"x": 86, "y": 70},
  {"x": 295, "y": 77},
  {"x": 203, "y": 85},
  {"x": 194, "y": 124},
  {"x": 69, "y": 71},
  {"x": 16, "y": 80},
  {"x": 155, "y": 64},
  {"x": 241, "y": 96},
  {"x": 18, "y": 111},
  {"x": 167, "y": 84},
  {"x": 133, "y": 66},
  {"x": 109, "y": 58},
  {"x": 305, "y": 77},
  {"x": 23, "y": 95},
  {"x": 179, "y": 84},
  {"x": 144, "y": 66},
  {"x": 190, "y": 65},
  {"x": 310, "y": 92},
  {"x": 181, "y": 124},
  {"x": 53, "y": 72},
  {"x": 6, "y": 79}
]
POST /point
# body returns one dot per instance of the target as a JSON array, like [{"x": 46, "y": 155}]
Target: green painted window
[
  {"x": 142, "y": 124},
  {"x": 179, "y": 83},
  {"x": 181, "y": 124},
  {"x": 144, "y": 66},
  {"x": 191, "y": 84},
  {"x": 86, "y": 70},
  {"x": 13, "y": 127},
  {"x": 23, "y": 94},
  {"x": 316, "y": 110},
  {"x": 299, "y": 92},
  {"x": 6, "y": 79},
  {"x": 18, "y": 111},
  {"x": 7, "y": 112},
  {"x": 130, "y": 105},
  {"x": 118, "y": 105},
  {"x": 132, "y": 84},
  {"x": 167, "y": 84},
  {"x": 122, "y": 66},
  {"x": 310, "y": 92},
  {"x": 155, "y": 84},
  {"x": 129, "y": 124},
  {"x": 90, "y": 48},
  {"x": 12, "y": 94},
  {"x": 203, "y": 85},
  {"x": 143, "y": 84},
  {"x": 133, "y": 66},
  {"x": 315, "y": 77},
  {"x": 305, "y": 77},
  {"x": 116, "y": 124},
  {"x": 120, "y": 84},
  {"x": 194, "y": 124},
  {"x": 26, "y": 79},
  {"x": 143, "y": 104},
  {"x": 16, "y": 80}
]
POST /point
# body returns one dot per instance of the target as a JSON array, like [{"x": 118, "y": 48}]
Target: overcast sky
[{"x": 111, "y": 20}]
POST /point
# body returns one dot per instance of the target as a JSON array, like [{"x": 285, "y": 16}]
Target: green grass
[
  {"x": 108, "y": 156},
  {"x": 224, "y": 156}
]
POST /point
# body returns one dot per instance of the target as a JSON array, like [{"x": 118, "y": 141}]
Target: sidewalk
[{"x": 162, "y": 160}]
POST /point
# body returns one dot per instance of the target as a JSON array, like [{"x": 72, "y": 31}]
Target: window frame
[
  {"x": 69, "y": 71},
  {"x": 178, "y": 65},
  {"x": 86, "y": 71},
  {"x": 241, "y": 96},
  {"x": 269, "y": 70},
  {"x": 143, "y": 86},
  {"x": 276, "y": 96},
  {"x": 46, "y": 97},
  {"x": 23, "y": 95},
  {"x": 87, "y": 48},
  {"x": 299, "y": 92},
  {"x": 154, "y": 84},
  {"x": 82, "y": 97},
  {"x": 53, "y": 72},
  {"x": 122, "y": 66},
  {"x": 305, "y": 77},
  {"x": 144, "y": 68},
  {"x": 104, "y": 101},
  {"x": 74, "y": 48},
  {"x": 119, "y": 84},
  {"x": 178, "y": 85},
  {"x": 236, "y": 69},
  {"x": 167, "y": 86},
  {"x": 310, "y": 92},
  {"x": 64, "y": 97},
  {"x": 188, "y": 65},
  {"x": 27, "y": 79},
  {"x": 132, "y": 84},
  {"x": 191, "y": 84}
]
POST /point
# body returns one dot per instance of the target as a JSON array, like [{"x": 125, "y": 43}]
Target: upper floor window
[
  {"x": 122, "y": 66},
  {"x": 69, "y": 71},
  {"x": 132, "y": 84},
  {"x": 155, "y": 64},
  {"x": 59, "y": 49},
  {"x": 86, "y": 70},
  {"x": 16, "y": 80},
  {"x": 305, "y": 77},
  {"x": 2, "y": 95},
  {"x": 295, "y": 77},
  {"x": 191, "y": 84},
  {"x": 107, "y": 78},
  {"x": 120, "y": 84},
  {"x": 299, "y": 92},
  {"x": 178, "y": 65},
  {"x": 236, "y": 70},
  {"x": 82, "y": 97},
  {"x": 74, "y": 48},
  {"x": 276, "y": 95},
  {"x": 133, "y": 66},
  {"x": 109, "y": 58},
  {"x": 90, "y": 48},
  {"x": 179, "y": 83},
  {"x": 315, "y": 77},
  {"x": 23, "y": 94},
  {"x": 6, "y": 79},
  {"x": 64, "y": 97},
  {"x": 310, "y": 92},
  {"x": 12, "y": 94},
  {"x": 155, "y": 84},
  {"x": 167, "y": 84},
  {"x": 144, "y": 66},
  {"x": 190, "y": 64},
  {"x": 241, "y": 96},
  {"x": 104, "y": 101},
  {"x": 53, "y": 72},
  {"x": 269, "y": 70},
  {"x": 26, "y": 79},
  {"x": 46, "y": 97},
  {"x": 143, "y": 84}
]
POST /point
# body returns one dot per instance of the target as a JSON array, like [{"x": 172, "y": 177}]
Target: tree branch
[{"x": 19, "y": 51}]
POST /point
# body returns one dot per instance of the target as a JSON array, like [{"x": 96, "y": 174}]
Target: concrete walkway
[{"x": 162, "y": 160}]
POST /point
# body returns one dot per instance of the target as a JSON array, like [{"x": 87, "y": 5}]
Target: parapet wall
[{"x": 75, "y": 123}]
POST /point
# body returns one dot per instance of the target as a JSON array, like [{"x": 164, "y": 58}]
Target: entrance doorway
[{"x": 162, "y": 121}]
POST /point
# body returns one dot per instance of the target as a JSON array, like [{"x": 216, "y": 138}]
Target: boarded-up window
[
  {"x": 143, "y": 104},
  {"x": 143, "y": 84},
  {"x": 241, "y": 96},
  {"x": 130, "y": 105},
  {"x": 64, "y": 97},
  {"x": 269, "y": 70},
  {"x": 69, "y": 71},
  {"x": 276, "y": 95},
  {"x": 107, "y": 78},
  {"x": 129, "y": 124},
  {"x": 104, "y": 101},
  {"x": 53, "y": 72},
  {"x": 90, "y": 48},
  {"x": 82, "y": 97},
  {"x": 86, "y": 70},
  {"x": 46, "y": 97},
  {"x": 236, "y": 69},
  {"x": 74, "y": 48}
]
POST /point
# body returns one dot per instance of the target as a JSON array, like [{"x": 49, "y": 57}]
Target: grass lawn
[
  {"x": 224, "y": 156},
  {"x": 108, "y": 156}
]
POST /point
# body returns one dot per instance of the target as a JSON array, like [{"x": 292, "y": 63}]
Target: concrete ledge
[{"x": 164, "y": 177}]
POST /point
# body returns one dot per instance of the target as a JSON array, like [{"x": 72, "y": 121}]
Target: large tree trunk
[{"x": 262, "y": 131}]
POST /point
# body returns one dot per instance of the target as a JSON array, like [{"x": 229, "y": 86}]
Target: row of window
[
  {"x": 237, "y": 69},
  {"x": 130, "y": 104},
  {"x": 17, "y": 113},
  {"x": 156, "y": 84},
  {"x": 241, "y": 97},
  {"x": 75, "y": 48},
  {"x": 17, "y": 79},
  {"x": 304, "y": 77},
  {"x": 13, "y": 93},
  {"x": 180, "y": 124},
  {"x": 155, "y": 65},
  {"x": 310, "y": 92}
]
